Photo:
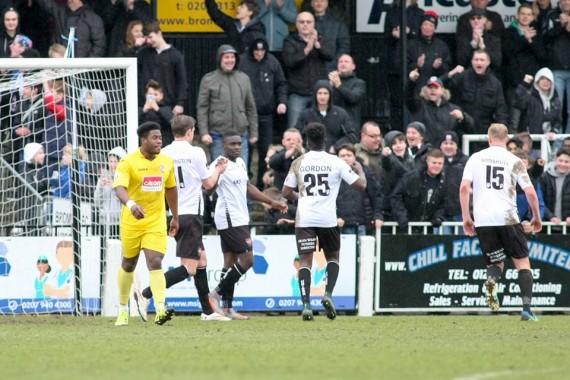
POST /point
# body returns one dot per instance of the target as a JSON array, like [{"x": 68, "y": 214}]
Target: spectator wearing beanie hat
[
  {"x": 428, "y": 54},
  {"x": 454, "y": 164},
  {"x": 396, "y": 161},
  {"x": 417, "y": 148},
  {"x": 430, "y": 105},
  {"x": 35, "y": 172}
]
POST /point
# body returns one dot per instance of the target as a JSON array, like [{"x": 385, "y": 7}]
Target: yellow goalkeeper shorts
[{"x": 135, "y": 241}]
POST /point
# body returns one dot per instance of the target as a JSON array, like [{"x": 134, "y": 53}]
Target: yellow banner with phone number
[{"x": 190, "y": 16}]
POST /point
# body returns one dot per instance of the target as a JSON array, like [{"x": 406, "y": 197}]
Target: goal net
[{"x": 64, "y": 124}]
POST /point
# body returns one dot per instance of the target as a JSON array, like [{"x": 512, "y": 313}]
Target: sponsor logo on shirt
[{"x": 152, "y": 183}]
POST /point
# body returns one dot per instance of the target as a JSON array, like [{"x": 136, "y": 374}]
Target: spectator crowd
[{"x": 266, "y": 75}]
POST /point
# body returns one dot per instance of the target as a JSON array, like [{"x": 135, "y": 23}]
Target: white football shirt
[
  {"x": 318, "y": 174},
  {"x": 494, "y": 173},
  {"x": 231, "y": 206},
  {"x": 190, "y": 169}
]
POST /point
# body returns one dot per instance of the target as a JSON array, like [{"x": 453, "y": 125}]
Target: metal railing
[{"x": 544, "y": 142}]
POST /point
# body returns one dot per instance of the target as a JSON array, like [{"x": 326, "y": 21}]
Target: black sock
[
  {"x": 305, "y": 284},
  {"x": 494, "y": 272},
  {"x": 525, "y": 283},
  {"x": 230, "y": 296},
  {"x": 173, "y": 277},
  {"x": 232, "y": 276},
  {"x": 201, "y": 283},
  {"x": 332, "y": 276}
]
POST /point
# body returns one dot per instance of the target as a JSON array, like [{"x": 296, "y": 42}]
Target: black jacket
[
  {"x": 433, "y": 49},
  {"x": 335, "y": 32},
  {"x": 240, "y": 40},
  {"x": 394, "y": 168},
  {"x": 280, "y": 166},
  {"x": 453, "y": 175},
  {"x": 89, "y": 29},
  {"x": 414, "y": 16},
  {"x": 437, "y": 119},
  {"x": 530, "y": 115},
  {"x": 304, "y": 70},
  {"x": 409, "y": 199},
  {"x": 267, "y": 79},
  {"x": 360, "y": 207},
  {"x": 520, "y": 57},
  {"x": 340, "y": 127},
  {"x": 350, "y": 96},
  {"x": 168, "y": 69},
  {"x": 557, "y": 42},
  {"x": 481, "y": 96},
  {"x": 492, "y": 46}
]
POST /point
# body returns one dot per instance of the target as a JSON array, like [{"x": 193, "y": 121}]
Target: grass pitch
[{"x": 285, "y": 347}]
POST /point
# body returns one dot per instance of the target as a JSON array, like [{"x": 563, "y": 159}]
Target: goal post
[{"x": 77, "y": 110}]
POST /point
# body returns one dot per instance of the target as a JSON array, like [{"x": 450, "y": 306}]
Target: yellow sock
[
  {"x": 158, "y": 287},
  {"x": 125, "y": 283}
]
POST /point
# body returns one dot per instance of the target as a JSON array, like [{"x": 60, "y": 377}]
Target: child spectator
[
  {"x": 105, "y": 200},
  {"x": 155, "y": 110},
  {"x": 60, "y": 181}
]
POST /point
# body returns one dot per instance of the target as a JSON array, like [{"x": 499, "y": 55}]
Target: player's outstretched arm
[{"x": 254, "y": 193}]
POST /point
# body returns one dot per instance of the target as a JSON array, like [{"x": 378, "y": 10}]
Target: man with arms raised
[
  {"x": 494, "y": 173},
  {"x": 142, "y": 180},
  {"x": 318, "y": 176}
]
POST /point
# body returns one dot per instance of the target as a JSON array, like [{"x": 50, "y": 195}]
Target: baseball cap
[
  {"x": 23, "y": 40},
  {"x": 434, "y": 81}
]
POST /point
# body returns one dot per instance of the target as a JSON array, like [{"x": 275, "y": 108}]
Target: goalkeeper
[{"x": 142, "y": 180}]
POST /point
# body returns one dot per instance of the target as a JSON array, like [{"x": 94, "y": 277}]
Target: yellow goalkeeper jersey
[{"x": 145, "y": 182}]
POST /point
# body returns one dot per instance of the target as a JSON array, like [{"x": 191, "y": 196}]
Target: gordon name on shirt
[{"x": 315, "y": 168}]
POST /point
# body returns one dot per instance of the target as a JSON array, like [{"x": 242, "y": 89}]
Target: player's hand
[
  {"x": 469, "y": 227},
  {"x": 137, "y": 211},
  {"x": 536, "y": 225},
  {"x": 356, "y": 167},
  {"x": 281, "y": 206},
  {"x": 221, "y": 164},
  {"x": 207, "y": 139},
  {"x": 177, "y": 110},
  {"x": 173, "y": 231}
]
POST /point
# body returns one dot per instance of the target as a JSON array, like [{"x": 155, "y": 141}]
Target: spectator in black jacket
[
  {"x": 332, "y": 28},
  {"x": 349, "y": 92},
  {"x": 479, "y": 38},
  {"x": 396, "y": 161},
  {"x": 89, "y": 28},
  {"x": 340, "y": 128},
  {"x": 281, "y": 161},
  {"x": 494, "y": 23},
  {"x": 417, "y": 147},
  {"x": 420, "y": 195},
  {"x": 358, "y": 211},
  {"x": 269, "y": 88},
  {"x": 536, "y": 106},
  {"x": 523, "y": 50},
  {"x": 242, "y": 29},
  {"x": 431, "y": 106},
  {"x": 305, "y": 57},
  {"x": 163, "y": 63},
  {"x": 414, "y": 15},
  {"x": 369, "y": 149},
  {"x": 454, "y": 164},
  {"x": 155, "y": 110},
  {"x": 133, "y": 40},
  {"x": 557, "y": 42},
  {"x": 479, "y": 93},
  {"x": 428, "y": 54},
  {"x": 8, "y": 30},
  {"x": 116, "y": 16},
  {"x": 555, "y": 185}
]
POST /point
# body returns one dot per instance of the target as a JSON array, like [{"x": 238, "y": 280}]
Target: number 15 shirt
[
  {"x": 318, "y": 174},
  {"x": 494, "y": 173}
]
